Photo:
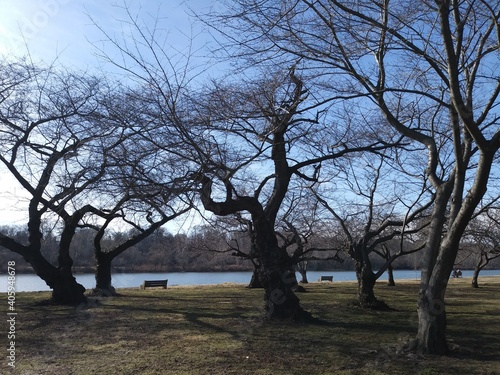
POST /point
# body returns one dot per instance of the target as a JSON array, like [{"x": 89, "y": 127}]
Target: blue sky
[{"x": 63, "y": 29}]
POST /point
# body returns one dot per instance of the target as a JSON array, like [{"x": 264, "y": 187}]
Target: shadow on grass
[{"x": 226, "y": 324}]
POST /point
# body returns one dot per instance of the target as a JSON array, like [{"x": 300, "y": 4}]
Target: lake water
[{"x": 32, "y": 283}]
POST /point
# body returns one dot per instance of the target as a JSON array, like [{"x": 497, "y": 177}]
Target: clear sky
[{"x": 64, "y": 30}]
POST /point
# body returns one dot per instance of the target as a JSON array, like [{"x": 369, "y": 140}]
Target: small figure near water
[{"x": 456, "y": 273}]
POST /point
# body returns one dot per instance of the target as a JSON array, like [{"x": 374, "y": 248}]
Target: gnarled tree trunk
[
  {"x": 65, "y": 289},
  {"x": 366, "y": 277},
  {"x": 276, "y": 274},
  {"x": 366, "y": 283}
]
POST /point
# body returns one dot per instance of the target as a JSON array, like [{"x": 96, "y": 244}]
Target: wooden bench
[
  {"x": 154, "y": 283},
  {"x": 326, "y": 278}
]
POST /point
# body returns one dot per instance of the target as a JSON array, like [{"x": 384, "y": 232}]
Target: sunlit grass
[{"x": 219, "y": 330}]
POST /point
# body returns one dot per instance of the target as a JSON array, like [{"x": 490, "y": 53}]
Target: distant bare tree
[
  {"x": 372, "y": 213},
  {"x": 482, "y": 241},
  {"x": 302, "y": 233}
]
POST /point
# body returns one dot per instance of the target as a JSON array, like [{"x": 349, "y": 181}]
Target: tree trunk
[
  {"x": 280, "y": 301},
  {"x": 276, "y": 270},
  {"x": 475, "y": 276},
  {"x": 276, "y": 275},
  {"x": 390, "y": 273},
  {"x": 366, "y": 278},
  {"x": 103, "y": 286},
  {"x": 439, "y": 257},
  {"x": 431, "y": 335},
  {"x": 65, "y": 289},
  {"x": 255, "y": 282},
  {"x": 303, "y": 276},
  {"x": 366, "y": 283}
]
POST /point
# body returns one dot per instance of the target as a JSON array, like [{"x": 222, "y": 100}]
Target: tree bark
[
  {"x": 65, "y": 289},
  {"x": 475, "y": 284},
  {"x": 103, "y": 285},
  {"x": 475, "y": 276},
  {"x": 390, "y": 273},
  {"x": 431, "y": 335},
  {"x": 255, "y": 282},
  {"x": 366, "y": 283},
  {"x": 276, "y": 272},
  {"x": 68, "y": 291},
  {"x": 366, "y": 277},
  {"x": 277, "y": 275},
  {"x": 303, "y": 275}
]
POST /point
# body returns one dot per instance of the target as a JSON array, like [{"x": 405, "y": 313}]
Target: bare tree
[
  {"x": 239, "y": 235},
  {"x": 481, "y": 241},
  {"x": 268, "y": 120},
  {"x": 53, "y": 145},
  {"x": 76, "y": 146},
  {"x": 302, "y": 233},
  {"x": 271, "y": 113},
  {"x": 143, "y": 213},
  {"x": 225, "y": 131},
  {"x": 372, "y": 213},
  {"x": 144, "y": 187},
  {"x": 432, "y": 71}
]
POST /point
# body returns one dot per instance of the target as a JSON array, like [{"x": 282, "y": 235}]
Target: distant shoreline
[
  {"x": 117, "y": 271},
  {"x": 32, "y": 282}
]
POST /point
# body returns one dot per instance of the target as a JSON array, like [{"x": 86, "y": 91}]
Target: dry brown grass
[{"x": 218, "y": 330}]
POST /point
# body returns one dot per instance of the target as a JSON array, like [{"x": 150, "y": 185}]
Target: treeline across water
[{"x": 203, "y": 249}]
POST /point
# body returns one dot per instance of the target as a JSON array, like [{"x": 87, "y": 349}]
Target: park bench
[
  {"x": 326, "y": 278},
  {"x": 154, "y": 283}
]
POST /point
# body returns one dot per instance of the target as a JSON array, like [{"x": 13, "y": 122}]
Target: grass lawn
[{"x": 219, "y": 330}]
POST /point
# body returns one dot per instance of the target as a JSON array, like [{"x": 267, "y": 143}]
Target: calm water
[{"x": 28, "y": 283}]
